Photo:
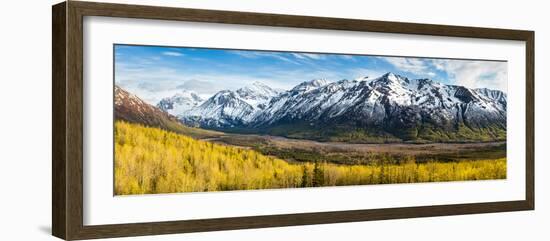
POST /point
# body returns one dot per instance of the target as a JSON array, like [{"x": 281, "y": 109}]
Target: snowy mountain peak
[
  {"x": 188, "y": 94},
  {"x": 390, "y": 75},
  {"x": 180, "y": 102},
  {"x": 395, "y": 78},
  {"x": 396, "y": 87},
  {"x": 222, "y": 96},
  {"x": 310, "y": 85},
  {"x": 364, "y": 78},
  {"x": 256, "y": 90}
]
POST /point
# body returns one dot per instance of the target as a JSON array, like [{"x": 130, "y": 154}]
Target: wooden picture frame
[{"x": 67, "y": 123}]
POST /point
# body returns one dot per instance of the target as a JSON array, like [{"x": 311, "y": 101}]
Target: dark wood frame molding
[{"x": 67, "y": 123}]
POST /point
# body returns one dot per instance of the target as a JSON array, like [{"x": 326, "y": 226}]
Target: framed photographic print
[{"x": 170, "y": 120}]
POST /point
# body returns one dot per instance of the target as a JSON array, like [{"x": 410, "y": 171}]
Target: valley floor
[{"x": 352, "y": 153}]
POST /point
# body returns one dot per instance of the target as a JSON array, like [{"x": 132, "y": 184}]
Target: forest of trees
[{"x": 150, "y": 160}]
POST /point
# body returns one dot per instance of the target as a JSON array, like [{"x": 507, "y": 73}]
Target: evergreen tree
[
  {"x": 305, "y": 178},
  {"x": 318, "y": 175}
]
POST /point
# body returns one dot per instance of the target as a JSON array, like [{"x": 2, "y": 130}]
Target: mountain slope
[
  {"x": 130, "y": 108},
  {"x": 180, "y": 102}
]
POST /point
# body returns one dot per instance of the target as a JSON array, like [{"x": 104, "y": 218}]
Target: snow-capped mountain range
[
  {"x": 226, "y": 108},
  {"x": 388, "y": 105}
]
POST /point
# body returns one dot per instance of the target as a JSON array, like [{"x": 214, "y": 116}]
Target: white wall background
[{"x": 25, "y": 120}]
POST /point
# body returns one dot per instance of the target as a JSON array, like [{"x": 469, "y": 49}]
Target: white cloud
[
  {"x": 412, "y": 65},
  {"x": 147, "y": 83},
  {"x": 475, "y": 74},
  {"x": 258, "y": 54},
  {"x": 172, "y": 53},
  {"x": 300, "y": 56},
  {"x": 348, "y": 57},
  {"x": 306, "y": 56}
]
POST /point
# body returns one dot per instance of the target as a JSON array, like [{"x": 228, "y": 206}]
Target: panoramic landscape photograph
[{"x": 192, "y": 119}]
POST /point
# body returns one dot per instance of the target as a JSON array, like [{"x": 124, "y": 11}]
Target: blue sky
[{"x": 153, "y": 72}]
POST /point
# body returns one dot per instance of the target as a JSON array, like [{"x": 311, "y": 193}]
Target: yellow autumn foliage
[{"x": 150, "y": 160}]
